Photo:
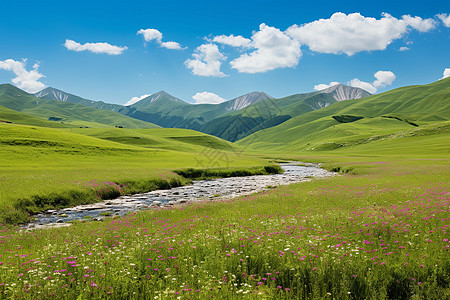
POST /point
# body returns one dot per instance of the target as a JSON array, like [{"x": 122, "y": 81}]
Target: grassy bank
[
  {"x": 45, "y": 168},
  {"x": 211, "y": 173},
  {"x": 380, "y": 234}
]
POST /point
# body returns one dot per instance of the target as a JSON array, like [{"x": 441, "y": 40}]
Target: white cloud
[
  {"x": 151, "y": 34},
  {"x": 274, "y": 49},
  {"x": 103, "y": 48},
  {"x": 171, "y": 45},
  {"x": 363, "y": 85},
  {"x": 234, "y": 41},
  {"x": 354, "y": 33},
  {"x": 445, "y": 18},
  {"x": 446, "y": 73},
  {"x": 207, "y": 98},
  {"x": 207, "y": 61},
  {"x": 26, "y": 80},
  {"x": 422, "y": 25},
  {"x": 403, "y": 49},
  {"x": 323, "y": 86},
  {"x": 154, "y": 34},
  {"x": 383, "y": 78},
  {"x": 136, "y": 99}
]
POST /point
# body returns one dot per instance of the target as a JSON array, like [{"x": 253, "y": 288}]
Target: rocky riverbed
[{"x": 215, "y": 189}]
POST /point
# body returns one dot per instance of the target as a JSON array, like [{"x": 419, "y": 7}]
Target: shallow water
[{"x": 215, "y": 189}]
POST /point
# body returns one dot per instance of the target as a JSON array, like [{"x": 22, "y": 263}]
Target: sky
[{"x": 211, "y": 51}]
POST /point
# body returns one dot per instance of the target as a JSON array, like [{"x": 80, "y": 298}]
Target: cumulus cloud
[
  {"x": 171, "y": 45},
  {"x": 323, "y": 86},
  {"x": 136, "y": 99},
  {"x": 103, "y": 48},
  {"x": 445, "y": 18},
  {"x": 207, "y": 61},
  {"x": 403, "y": 48},
  {"x": 354, "y": 33},
  {"x": 155, "y": 35},
  {"x": 446, "y": 73},
  {"x": 274, "y": 49},
  {"x": 233, "y": 41},
  {"x": 26, "y": 80},
  {"x": 207, "y": 98},
  {"x": 383, "y": 78},
  {"x": 363, "y": 85},
  {"x": 419, "y": 24}
]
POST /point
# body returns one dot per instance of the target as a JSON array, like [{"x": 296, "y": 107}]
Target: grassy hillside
[
  {"x": 18, "y": 100},
  {"x": 403, "y": 109},
  {"x": 9, "y": 115},
  {"x": 160, "y": 138}
]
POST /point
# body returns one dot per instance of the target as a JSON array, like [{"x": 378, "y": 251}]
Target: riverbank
[{"x": 215, "y": 189}]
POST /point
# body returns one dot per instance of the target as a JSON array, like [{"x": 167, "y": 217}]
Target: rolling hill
[
  {"x": 354, "y": 122},
  {"x": 66, "y": 112}
]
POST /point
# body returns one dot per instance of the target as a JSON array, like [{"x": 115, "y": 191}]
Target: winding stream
[{"x": 216, "y": 189}]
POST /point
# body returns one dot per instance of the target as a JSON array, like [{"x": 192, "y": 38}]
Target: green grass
[
  {"x": 161, "y": 138},
  {"x": 46, "y": 168},
  {"x": 9, "y": 115},
  {"x": 380, "y": 234}
]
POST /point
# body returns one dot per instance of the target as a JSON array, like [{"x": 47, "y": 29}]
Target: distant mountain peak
[
  {"x": 341, "y": 92},
  {"x": 246, "y": 100},
  {"x": 52, "y": 93},
  {"x": 159, "y": 96}
]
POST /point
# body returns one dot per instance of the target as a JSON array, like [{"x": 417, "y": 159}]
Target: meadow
[
  {"x": 379, "y": 231},
  {"x": 47, "y": 168}
]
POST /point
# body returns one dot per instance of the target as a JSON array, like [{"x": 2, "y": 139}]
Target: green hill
[
  {"x": 11, "y": 116},
  {"x": 272, "y": 112},
  {"x": 356, "y": 121},
  {"x": 159, "y": 138},
  {"x": 76, "y": 114}
]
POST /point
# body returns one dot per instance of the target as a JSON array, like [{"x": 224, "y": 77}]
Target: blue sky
[{"x": 220, "y": 49}]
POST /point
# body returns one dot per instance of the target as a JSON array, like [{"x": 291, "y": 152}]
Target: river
[{"x": 215, "y": 189}]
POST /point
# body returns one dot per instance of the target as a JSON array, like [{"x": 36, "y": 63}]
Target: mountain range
[{"x": 338, "y": 116}]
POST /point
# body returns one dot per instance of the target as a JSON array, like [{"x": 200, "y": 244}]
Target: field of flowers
[{"x": 382, "y": 234}]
